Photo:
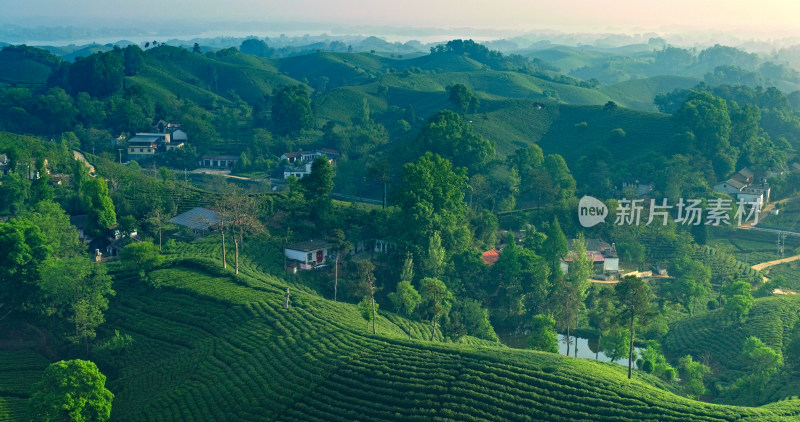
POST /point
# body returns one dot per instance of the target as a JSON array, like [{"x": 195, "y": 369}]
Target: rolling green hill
[
  {"x": 339, "y": 68},
  {"x": 26, "y": 65},
  {"x": 566, "y": 58},
  {"x": 639, "y": 93},
  {"x": 443, "y": 63},
  {"x": 212, "y": 346},
  {"x": 644, "y": 132},
  {"x": 180, "y": 72},
  {"x": 717, "y": 338}
]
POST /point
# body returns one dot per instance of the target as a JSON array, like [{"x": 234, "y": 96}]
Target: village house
[
  {"x": 218, "y": 161},
  {"x": 308, "y": 156},
  {"x": 196, "y": 219},
  {"x": 640, "y": 187},
  {"x": 119, "y": 242},
  {"x": 307, "y": 255},
  {"x": 605, "y": 260},
  {"x": 298, "y": 172},
  {"x": 302, "y": 160},
  {"x": 144, "y": 145},
  {"x": 375, "y": 245},
  {"x": 179, "y": 138},
  {"x": 33, "y": 173},
  {"x": 746, "y": 186}
]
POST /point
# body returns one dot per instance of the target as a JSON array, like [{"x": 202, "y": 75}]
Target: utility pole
[{"x": 781, "y": 242}]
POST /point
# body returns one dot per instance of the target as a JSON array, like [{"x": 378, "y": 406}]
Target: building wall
[
  {"x": 141, "y": 151},
  {"x": 297, "y": 255},
  {"x": 751, "y": 197},
  {"x": 304, "y": 256},
  {"x": 611, "y": 264}
]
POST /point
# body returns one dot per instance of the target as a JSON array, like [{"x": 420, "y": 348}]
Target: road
[
  {"x": 224, "y": 173},
  {"x": 761, "y": 266}
]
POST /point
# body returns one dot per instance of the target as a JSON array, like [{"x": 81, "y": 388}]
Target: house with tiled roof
[
  {"x": 309, "y": 156},
  {"x": 145, "y": 144},
  {"x": 307, "y": 255},
  {"x": 745, "y": 185},
  {"x": 603, "y": 255}
]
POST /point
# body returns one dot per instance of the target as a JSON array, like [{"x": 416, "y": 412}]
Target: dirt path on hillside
[
  {"x": 79, "y": 156},
  {"x": 761, "y": 266},
  {"x": 771, "y": 205},
  {"x": 604, "y": 281},
  {"x": 224, "y": 173}
]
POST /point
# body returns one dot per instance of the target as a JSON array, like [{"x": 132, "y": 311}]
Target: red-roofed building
[{"x": 490, "y": 257}]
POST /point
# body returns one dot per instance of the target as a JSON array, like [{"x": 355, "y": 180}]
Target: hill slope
[
  {"x": 639, "y": 93},
  {"x": 714, "y": 336},
  {"x": 211, "y": 346}
]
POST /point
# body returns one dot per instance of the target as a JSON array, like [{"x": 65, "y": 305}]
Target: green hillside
[
  {"x": 443, "y": 63},
  {"x": 644, "y": 132},
  {"x": 212, "y": 346},
  {"x": 566, "y": 58},
  {"x": 514, "y": 124},
  {"x": 639, "y": 93},
  {"x": 19, "y": 369},
  {"x": 714, "y": 336},
  {"x": 189, "y": 72},
  {"x": 25, "y": 65}
]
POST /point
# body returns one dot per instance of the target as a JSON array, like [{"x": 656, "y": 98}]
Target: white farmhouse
[{"x": 308, "y": 254}]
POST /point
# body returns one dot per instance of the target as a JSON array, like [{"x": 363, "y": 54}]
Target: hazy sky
[{"x": 769, "y": 18}]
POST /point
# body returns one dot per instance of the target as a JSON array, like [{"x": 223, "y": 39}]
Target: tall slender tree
[
  {"x": 438, "y": 298},
  {"x": 634, "y": 296},
  {"x": 580, "y": 269}
]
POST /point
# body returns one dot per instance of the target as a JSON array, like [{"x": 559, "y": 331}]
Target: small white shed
[{"x": 309, "y": 253}]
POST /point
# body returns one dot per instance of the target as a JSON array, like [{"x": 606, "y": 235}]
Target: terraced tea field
[
  {"x": 211, "y": 346},
  {"x": 717, "y": 337},
  {"x": 19, "y": 369}
]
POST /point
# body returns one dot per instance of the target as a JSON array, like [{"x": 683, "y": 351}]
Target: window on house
[
  {"x": 310, "y": 257},
  {"x": 141, "y": 149}
]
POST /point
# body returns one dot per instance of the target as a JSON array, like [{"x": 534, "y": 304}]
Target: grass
[{"x": 639, "y": 93}]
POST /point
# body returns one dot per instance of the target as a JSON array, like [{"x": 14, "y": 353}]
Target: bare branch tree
[{"x": 240, "y": 211}]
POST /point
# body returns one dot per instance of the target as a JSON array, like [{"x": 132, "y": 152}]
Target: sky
[{"x": 763, "y": 19}]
